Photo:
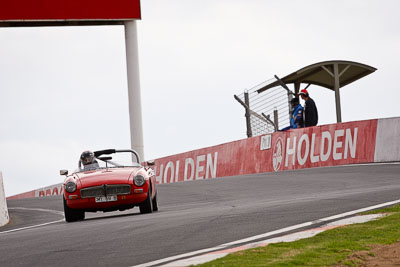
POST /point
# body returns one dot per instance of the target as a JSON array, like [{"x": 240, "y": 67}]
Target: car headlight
[
  {"x": 139, "y": 180},
  {"x": 70, "y": 187}
]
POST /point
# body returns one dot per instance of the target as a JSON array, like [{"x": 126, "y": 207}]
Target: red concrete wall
[
  {"x": 328, "y": 145},
  {"x": 23, "y": 195}
]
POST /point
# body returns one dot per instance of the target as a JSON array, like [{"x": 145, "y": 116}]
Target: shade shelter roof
[
  {"x": 322, "y": 74},
  {"x": 333, "y": 75}
]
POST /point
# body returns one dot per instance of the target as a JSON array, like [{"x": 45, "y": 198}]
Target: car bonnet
[{"x": 106, "y": 176}]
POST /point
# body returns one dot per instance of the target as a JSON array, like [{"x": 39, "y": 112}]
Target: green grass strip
[{"x": 327, "y": 248}]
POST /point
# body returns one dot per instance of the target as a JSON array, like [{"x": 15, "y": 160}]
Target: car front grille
[{"x": 103, "y": 190}]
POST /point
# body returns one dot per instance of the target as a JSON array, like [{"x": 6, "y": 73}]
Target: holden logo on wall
[{"x": 277, "y": 156}]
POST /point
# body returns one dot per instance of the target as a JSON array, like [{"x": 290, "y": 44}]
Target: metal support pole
[
  {"x": 248, "y": 121},
  {"x": 290, "y": 97},
  {"x": 276, "y": 121},
  {"x": 296, "y": 89},
  {"x": 134, "y": 95},
  {"x": 337, "y": 92}
]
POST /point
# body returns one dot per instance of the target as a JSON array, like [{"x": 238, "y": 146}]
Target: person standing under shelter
[
  {"x": 310, "y": 109},
  {"x": 296, "y": 115}
]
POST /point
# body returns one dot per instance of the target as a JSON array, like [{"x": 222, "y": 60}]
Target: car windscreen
[{"x": 115, "y": 160}]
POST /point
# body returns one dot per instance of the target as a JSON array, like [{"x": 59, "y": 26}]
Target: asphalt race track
[{"x": 193, "y": 215}]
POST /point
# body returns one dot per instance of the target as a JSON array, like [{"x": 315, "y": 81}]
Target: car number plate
[{"x": 106, "y": 199}]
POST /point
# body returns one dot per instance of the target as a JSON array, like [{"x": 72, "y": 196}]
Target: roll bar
[{"x": 112, "y": 151}]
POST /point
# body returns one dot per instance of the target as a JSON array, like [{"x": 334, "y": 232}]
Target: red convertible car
[{"x": 103, "y": 183}]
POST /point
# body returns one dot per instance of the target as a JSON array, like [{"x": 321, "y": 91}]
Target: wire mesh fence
[{"x": 268, "y": 110}]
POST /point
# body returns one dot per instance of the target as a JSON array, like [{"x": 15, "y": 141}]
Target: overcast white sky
[{"x": 64, "y": 90}]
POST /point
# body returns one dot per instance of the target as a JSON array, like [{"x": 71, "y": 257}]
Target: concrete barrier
[
  {"x": 29, "y": 194},
  {"x": 388, "y": 140},
  {"x": 52, "y": 190},
  {"x": 327, "y": 145},
  {"x": 4, "y": 218}
]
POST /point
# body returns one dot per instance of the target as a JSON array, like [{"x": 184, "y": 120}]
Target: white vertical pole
[{"x": 135, "y": 105}]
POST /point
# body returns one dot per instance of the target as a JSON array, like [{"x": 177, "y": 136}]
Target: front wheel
[
  {"x": 72, "y": 215},
  {"x": 147, "y": 205}
]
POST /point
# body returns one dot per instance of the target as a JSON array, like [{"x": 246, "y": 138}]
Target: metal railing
[{"x": 266, "y": 112}]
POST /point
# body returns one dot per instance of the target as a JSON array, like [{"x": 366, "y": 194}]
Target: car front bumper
[{"x": 123, "y": 202}]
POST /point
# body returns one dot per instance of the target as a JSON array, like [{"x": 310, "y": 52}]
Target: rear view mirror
[
  {"x": 63, "y": 172},
  {"x": 151, "y": 163},
  {"x": 105, "y": 158}
]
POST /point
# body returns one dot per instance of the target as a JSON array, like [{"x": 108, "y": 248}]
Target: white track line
[
  {"x": 253, "y": 238},
  {"x": 30, "y": 227},
  {"x": 36, "y": 209},
  {"x": 37, "y": 225},
  {"x": 335, "y": 166},
  {"x": 286, "y": 238},
  {"x": 368, "y": 164}
]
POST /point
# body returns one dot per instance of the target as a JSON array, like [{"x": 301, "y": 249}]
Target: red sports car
[{"x": 103, "y": 183}]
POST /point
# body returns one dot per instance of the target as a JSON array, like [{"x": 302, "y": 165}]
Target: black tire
[
  {"x": 155, "y": 204},
  {"x": 81, "y": 216},
  {"x": 147, "y": 205},
  {"x": 72, "y": 215}
]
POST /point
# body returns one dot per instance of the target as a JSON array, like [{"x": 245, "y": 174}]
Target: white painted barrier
[
  {"x": 4, "y": 218},
  {"x": 387, "y": 146}
]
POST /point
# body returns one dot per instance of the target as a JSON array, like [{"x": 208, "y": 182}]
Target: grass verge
[{"x": 328, "y": 248}]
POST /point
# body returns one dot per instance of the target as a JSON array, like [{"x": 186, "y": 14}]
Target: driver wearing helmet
[{"x": 88, "y": 161}]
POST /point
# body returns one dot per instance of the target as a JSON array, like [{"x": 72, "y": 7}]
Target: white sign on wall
[{"x": 265, "y": 142}]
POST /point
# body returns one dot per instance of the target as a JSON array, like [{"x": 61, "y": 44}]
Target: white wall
[
  {"x": 387, "y": 146},
  {"x": 4, "y": 218}
]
